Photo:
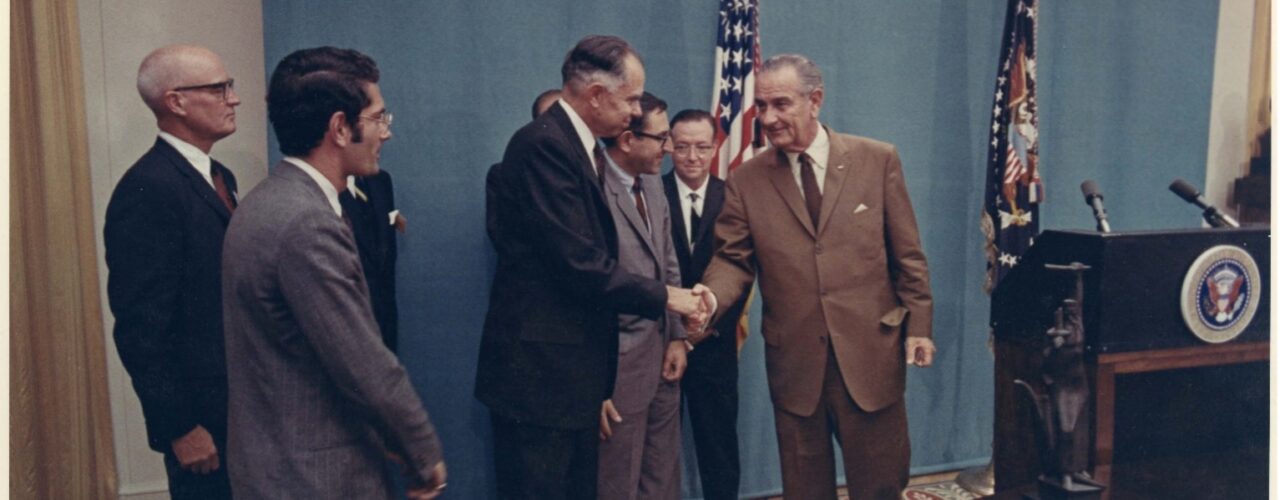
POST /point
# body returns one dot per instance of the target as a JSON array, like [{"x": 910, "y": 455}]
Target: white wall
[
  {"x": 115, "y": 36},
  {"x": 1229, "y": 116}
]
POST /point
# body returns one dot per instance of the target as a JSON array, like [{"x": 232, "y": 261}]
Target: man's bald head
[
  {"x": 190, "y": 92},
  {"x": 173, "y": 66}
]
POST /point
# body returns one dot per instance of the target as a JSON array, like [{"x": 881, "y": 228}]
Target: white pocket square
[{"x": 860, "y": 208}]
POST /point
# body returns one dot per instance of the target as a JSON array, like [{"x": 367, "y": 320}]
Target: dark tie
[
  {"x": 812, "y": 196},
  {"x": 695, "y": 219},
  {"x": 220, "y": 186},
  {"x": 644, "y": 213},
  {"x": 598, "y": 156},
  {"x": 348, "y": 203}
]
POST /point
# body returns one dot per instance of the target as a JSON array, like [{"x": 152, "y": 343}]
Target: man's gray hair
[
  {"x": 596, "y": 58},
  {"x": 808, "y": 72}
]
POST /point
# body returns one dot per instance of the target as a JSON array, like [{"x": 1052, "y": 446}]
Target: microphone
[
  {"x": 1191, "y": 195},
  {"x": 1093, "y": 198}
]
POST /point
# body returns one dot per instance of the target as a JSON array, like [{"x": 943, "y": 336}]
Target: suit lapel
[
  {"x": 785, "y": 184},
  {"x": 195, "y": 181},
  {"x": 710, "y": 210},
  {"x": 677, "y": 216},
  {"x": 626, "y": 204},
  {"x": 585, "y": 161},
  {"x": 360, "y": 218},
  {"x": 840, "y": 164}
]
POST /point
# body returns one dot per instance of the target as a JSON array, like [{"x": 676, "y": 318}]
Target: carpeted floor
[
  {"x": 943, "y": 490},
  {"x": 940, "y": 486}
]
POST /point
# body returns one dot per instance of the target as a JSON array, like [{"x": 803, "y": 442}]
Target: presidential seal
[{"x": 1220, "y": 293}]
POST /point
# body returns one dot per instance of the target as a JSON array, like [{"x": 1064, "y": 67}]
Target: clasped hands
[{"x": 695, "y": 305}]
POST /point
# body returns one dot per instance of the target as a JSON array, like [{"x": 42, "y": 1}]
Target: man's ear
[
  {"x": 339, "y": 129},
  {"x": 626, "y": 141},
  {"x": 175, "y": 103},
  {"x": 815, "y": 98},
  {"x": 595, "y": 94}
]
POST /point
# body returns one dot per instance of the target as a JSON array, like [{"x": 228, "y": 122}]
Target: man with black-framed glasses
[
  {"x": 640, "y": 422},
  {"x": 164, "y": 231},
  {"x": 710, "y": 384}
]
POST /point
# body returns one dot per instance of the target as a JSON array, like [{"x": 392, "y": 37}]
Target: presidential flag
[
  {"x": 1011, "y": 207},
  {"x": 733, "y": 98}
]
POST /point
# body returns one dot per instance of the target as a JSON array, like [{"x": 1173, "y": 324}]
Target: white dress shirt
[
  {"x": 584, "y": 133},
  {"x": 197, "y": 158},
  {"x": 819, "y": 153},
  {"x": 330, "y": 192},
  {"x": 687, "y": 205}
]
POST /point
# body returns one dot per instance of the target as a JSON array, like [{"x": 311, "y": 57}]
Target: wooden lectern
[{"x": 1133, "y": 324}]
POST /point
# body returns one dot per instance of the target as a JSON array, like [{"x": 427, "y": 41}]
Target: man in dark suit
[
  {"x": 640, "y": 424},
  {"x": 711, "y": 382},
  {"x": 317, "y": 402},
  {"x": 548, "y": 356},
  {"x": 370, "y": 204},
  {"x": 825, "y": 220},
  {"x": 163, "y": 236},
  {"x": 493, "y": 198}
]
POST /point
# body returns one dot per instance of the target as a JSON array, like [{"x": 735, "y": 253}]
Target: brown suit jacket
[{"x": 859, "y": 281}]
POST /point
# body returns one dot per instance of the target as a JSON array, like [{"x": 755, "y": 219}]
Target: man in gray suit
[
  {"x": 640, "y": 425},
  {"x": 317, "y": 402}
]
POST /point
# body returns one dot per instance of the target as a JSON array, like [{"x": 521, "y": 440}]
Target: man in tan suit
[{"x": 825, "y": 221}]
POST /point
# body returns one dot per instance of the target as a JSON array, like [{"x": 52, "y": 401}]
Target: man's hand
[
  {"x": 196, "y": 452},
  {"x": 920, "y": 351},
  {"x": 685, "y": 303},
  {"x": 608, "y": 414},
  {"x": 709, "y": 303},
  {"x": 674, "y": 361},
  {"x": 432, "y": 488}
]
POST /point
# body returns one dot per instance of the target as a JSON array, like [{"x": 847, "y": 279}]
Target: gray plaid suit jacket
[{"x": 315, "y": 398}]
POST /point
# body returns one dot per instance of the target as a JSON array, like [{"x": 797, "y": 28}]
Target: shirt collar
[
  {"x": 355, "y": 190},
  {"x": 330, "y": 192},
  {"x": 628, "y": 180},
  {"x": 818, "y": 151},
  {"x": 584, "y": 132},
  {"x": 197, "y": 158},
  {"x": 684, "y": 189}
]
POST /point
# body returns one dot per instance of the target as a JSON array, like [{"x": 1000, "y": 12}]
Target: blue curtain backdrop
[{"x": 1124, "y": 99}]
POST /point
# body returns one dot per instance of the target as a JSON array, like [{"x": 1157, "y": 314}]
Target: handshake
[{"x": 695, "y": 305}]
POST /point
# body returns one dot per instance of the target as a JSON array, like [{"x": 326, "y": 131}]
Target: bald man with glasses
[{"x": 164, "y": 230}]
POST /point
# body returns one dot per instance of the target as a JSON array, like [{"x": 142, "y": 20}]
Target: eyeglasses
[
  {"x": 662, "y": 139},
  {"x": 385, "y": 119},
  {"x": 222, "y": 89},
  {"x": 702, "y": 149}
]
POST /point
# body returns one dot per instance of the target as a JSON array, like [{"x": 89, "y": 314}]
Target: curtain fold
[{"x": 60, "y": 428}]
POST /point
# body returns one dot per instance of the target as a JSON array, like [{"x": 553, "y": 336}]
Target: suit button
[
  {"x": 822, "y": 339},
  {"x": 817, "y": 248}
]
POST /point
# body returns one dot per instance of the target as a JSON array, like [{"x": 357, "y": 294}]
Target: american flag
[
  {"x": 733, "y": 97},
  {"x": 1011, "y": 207},
  {"x": 733, "y": 100}
]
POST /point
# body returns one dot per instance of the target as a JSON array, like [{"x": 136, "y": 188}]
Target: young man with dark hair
[{"x": 317, "y": 401}]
